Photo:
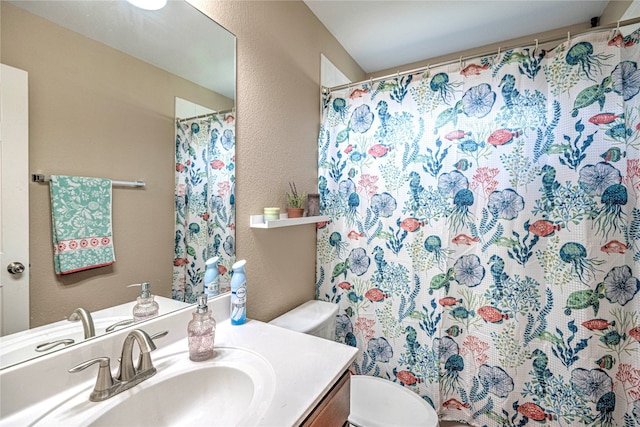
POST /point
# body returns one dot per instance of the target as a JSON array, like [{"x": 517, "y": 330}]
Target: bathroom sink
[
  {"x": 225, "y": 394},
  {"x": 235, "y": 387}
]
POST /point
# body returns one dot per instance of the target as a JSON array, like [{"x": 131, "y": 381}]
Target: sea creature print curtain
[
  {"x": 204, "y": 203},
  {"x": 484, "y": 241}
]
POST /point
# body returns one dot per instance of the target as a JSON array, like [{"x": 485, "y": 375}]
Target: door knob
[{"x": 15, "y": 268}]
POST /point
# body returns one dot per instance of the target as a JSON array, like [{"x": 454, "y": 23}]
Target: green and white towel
[{"x": 81, "y": 219}]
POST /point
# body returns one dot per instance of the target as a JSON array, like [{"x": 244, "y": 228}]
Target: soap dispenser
[
  {"x": 146, "y": 307},
  {"x": 201, "y": 332},
  {"x": 211, "y": 283}
]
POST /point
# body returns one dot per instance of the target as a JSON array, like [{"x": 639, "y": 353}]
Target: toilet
[{"x": 375, "y": 402}]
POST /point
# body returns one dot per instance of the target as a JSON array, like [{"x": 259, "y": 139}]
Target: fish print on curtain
[
  {"x": 204, "y": 203},
  {"x": 484, "y": 242}
]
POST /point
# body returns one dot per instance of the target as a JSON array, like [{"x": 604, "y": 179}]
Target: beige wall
[
  {"x": 94, "y": 111},
  {"x": 278, "y": 97},
  {"x": 278, "y": 71}
]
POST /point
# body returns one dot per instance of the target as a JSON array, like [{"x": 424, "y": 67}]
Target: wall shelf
[{"x": 257, "y": 221}]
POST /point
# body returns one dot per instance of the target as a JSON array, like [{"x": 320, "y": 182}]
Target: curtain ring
[
  {"x": 568, "y": 38},
  {"x": 618, "y": 27},
  {"x": 536, "y": 49},
  {"x": 498, "y": 51},
  {"x": 427, "y": 72}
]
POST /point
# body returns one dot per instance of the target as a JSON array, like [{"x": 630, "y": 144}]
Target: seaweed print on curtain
[
  {"x": 484, "y": 243},
  {"x": 205, "y": 203}
]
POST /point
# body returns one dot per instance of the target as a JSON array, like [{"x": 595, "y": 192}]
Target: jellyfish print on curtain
[
  {"x": 484, "y": 242},
  {"x": 205, "y": 202}
]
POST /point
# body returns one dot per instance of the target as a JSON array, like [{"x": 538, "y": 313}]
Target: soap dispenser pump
[
  {"x": 146, "y": 307},
  {"x": 201, "y": 332}
]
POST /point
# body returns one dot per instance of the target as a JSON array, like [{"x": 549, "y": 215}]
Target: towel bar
[{"x": 39, "y": 177}]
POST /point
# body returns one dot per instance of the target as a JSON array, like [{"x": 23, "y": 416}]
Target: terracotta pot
[{"x": 295, "y": 212}]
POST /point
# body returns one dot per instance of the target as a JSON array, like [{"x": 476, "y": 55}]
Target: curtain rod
[
  {"x": 39, "y": 177},
  {"x": 204, "y": 116},
  {"x": 487, "y": 53}
]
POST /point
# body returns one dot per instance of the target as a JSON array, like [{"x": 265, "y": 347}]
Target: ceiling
[
  {"x": 178, "y": 38},
  {"x": 381, "y": 35}
]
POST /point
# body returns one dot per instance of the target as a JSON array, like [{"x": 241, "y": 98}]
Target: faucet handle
[
  {"x": 159, "y": 335},
  {"x": 125, "y": 322},
  {"x": 144, "y": 359},
  {"x": 104, "y": 382}
]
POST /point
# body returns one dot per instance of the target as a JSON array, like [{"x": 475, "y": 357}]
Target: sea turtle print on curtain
[
  {"x": 205, "y": 203},
  {"x": 484, "y": 242}
]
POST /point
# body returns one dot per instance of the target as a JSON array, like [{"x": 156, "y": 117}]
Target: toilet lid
[{"x": 376, "y": 402}]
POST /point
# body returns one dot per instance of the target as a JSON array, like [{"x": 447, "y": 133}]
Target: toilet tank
[{"x": 313, "y": 317}]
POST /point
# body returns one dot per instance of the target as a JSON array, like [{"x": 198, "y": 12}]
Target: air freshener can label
[{"x": 241, "y": 293}]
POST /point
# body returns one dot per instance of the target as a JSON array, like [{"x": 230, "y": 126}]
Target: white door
[{"x": 14, "y": 200}]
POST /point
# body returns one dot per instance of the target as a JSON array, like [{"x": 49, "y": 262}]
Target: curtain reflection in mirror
[{"x": 204, "y": 202}]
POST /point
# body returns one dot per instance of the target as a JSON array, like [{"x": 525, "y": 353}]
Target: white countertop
[{"x": 305, "y": 368}]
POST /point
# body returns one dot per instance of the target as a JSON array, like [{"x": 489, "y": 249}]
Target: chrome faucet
[
  {"x": 128, "y": 374},
  {"x": 127, "y": 371},
  {"x": 87, "y": 321}
]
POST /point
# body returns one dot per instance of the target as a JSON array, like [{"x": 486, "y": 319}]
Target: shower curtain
[
  {"x": 484, "y": 242},
  {"x": 204, "y": 202}
]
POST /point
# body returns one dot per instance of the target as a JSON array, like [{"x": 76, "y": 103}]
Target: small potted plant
[{"x": 295, "y": 202}]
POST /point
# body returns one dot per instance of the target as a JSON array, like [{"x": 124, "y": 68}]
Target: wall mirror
[
  {"x": 205, "y": 199},
  {"x": 124, "y": 132}
]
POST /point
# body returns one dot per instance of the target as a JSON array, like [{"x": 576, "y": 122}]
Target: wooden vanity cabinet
[{"x": 333, "y": 409}]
